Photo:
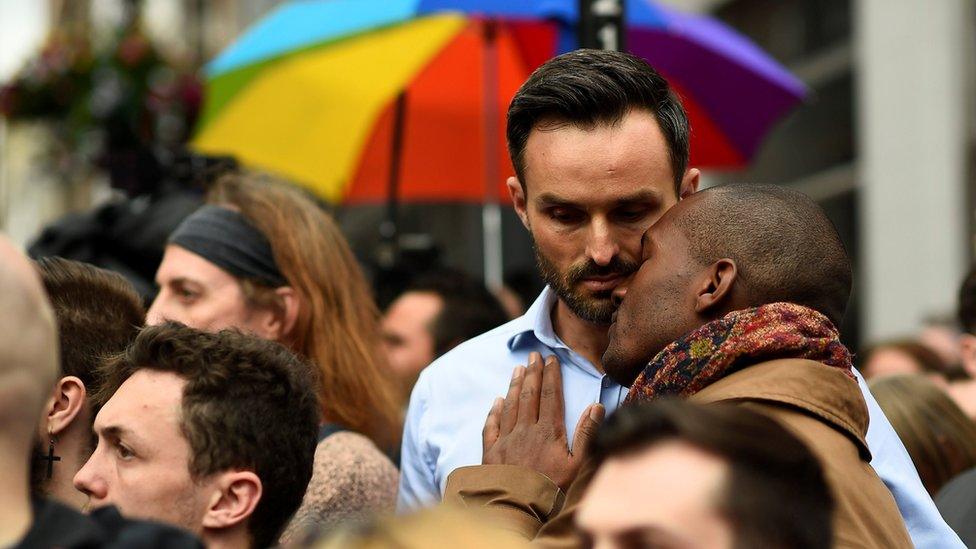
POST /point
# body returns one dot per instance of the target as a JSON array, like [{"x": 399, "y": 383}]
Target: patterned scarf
[{"x": 738, "y": 340}]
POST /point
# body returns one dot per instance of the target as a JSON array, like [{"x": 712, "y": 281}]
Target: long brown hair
[
  {"x": 936, "y": 433},
  {"x": 338, "y": 322}
]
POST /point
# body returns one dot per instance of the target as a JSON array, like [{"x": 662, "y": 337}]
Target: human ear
[
  {"x": 517, "y": 194},
  {"x": 715, "y": 288},
  {"x": 967, "y": 352},
  {"x": 689, "y": 183},
  {"x": 288, "y": 306},
  {"x": 281, "y": 315},
  {"x": 67, "y": 402},
  {"x": 237, "y": 495}
]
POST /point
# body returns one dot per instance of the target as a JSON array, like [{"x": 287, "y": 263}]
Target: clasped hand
[{"x": 527, "y": 427}]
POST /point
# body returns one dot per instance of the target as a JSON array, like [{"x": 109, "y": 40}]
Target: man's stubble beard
[{"x": 596, "y": 308}]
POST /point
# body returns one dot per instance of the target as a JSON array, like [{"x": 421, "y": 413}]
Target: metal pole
[
  {"x": 389, "y": 228},
  {"x": 601, "y": 25},
  {"x": 491, "y": 215}
]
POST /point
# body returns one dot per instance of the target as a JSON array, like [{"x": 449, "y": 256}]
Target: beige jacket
[{"x": 819, "y": 404}]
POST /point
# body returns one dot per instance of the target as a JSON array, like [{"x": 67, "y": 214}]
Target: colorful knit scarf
[{"x": 738, "y": 340}]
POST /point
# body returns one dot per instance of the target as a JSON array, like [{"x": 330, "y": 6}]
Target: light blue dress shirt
[{"x": 452, "y": 398}]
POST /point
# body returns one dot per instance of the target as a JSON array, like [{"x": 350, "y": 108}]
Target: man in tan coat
[{"x": 736, "y": 300}]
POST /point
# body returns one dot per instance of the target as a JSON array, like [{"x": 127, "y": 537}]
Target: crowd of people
[{"x": 680, "y": 381}]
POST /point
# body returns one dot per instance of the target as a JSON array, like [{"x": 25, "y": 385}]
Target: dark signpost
[{"x": 601, "y": 25}]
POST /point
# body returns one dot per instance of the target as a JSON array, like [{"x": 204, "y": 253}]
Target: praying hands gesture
[{"x": 527, "y": 427}]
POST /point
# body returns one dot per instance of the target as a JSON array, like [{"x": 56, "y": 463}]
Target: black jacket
[{"x": 58, "y": 526}]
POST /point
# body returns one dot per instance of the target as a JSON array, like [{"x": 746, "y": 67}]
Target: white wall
[
  {"x": 23, "y": 26},
  {"x": 913, "y": 59}
]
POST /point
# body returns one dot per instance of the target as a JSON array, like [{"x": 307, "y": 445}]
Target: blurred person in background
[
  {"x": 211, "y": 432},
  {"x": 511, "y": 302},
  {"x": 941, "y": 334},
  {"x": 905, "y": 357},
  {"x": 964, "y": 391},
  {"x": 957, "y": 499},
  {"x": 438, "y": 528},
  {"x": 957, "y": 503},
  {"x": 938, "y": 435},
  {"x": 675, "y": 474},
  {"x": 521, "y": 286},
  {"x": 265, "y": 258},
  {"x": 438, "y": 311},
  {"x": 98, "y": 314}
]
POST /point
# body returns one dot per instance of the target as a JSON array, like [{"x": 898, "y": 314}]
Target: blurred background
[{"x": 100, "y": 98}]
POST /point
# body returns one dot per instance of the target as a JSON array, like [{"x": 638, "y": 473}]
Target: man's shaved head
[
  {"x": 28, "y": 346},
  {"x": 785, "y": 247},
  {"x": 719, "y": 250}
]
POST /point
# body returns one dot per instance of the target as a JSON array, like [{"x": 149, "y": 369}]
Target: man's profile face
[
  {"x": 141, "y": 461},
  {"x": 666, "y": 496},
  {"x": 590, "y": 195},
  {"x": 656, "y": 303},
  {"x": 407, "y": 339}
]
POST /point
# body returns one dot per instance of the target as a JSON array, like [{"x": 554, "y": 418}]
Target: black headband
[{"x": 228, "y": 240}]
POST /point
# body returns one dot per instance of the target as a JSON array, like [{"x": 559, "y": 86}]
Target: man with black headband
[
  {"x": 200, "y": 279},
  {"x": 264, "y": 258}
]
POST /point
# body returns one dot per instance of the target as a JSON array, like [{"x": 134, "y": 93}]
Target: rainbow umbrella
[{"x": 367, "y": 100}]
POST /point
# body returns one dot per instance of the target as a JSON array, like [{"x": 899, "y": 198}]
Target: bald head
[
  {"x": 783, "y": 244},
  {"x": 28, "y": 344}
]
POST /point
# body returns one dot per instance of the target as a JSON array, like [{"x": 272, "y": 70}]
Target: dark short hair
[
  {"x": 784, "y": 246},
  {"x": 967, "y": 302},
  {"x": 775, "y": 495},
  {"x": 592, "y": 87},
  {"x": 98, "y": 312},
  {"x": 468, "y": 309},
  {"x": 248, "y": 404}
]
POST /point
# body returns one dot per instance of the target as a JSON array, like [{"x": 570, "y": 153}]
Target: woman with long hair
[
  {"x": 937, "y": 434},
  {"x": 263, "y": 257}
]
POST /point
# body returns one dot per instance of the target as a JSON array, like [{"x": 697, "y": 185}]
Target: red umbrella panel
[{"x": 453, "y": 119}]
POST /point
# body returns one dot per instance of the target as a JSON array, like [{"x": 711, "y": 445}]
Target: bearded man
[{"x": 600, "y": 148}]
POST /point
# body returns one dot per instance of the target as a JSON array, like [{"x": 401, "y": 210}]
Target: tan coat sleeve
[{"x": 521, "y": 500}]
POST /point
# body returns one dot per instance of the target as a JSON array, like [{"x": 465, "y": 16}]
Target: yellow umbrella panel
[{"x": 308, "y": 116}]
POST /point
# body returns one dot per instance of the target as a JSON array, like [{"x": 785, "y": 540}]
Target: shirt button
[{"x": 606, "y": 382}]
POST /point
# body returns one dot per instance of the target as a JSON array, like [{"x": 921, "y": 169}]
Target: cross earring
[{"x": 50, "y": 458}]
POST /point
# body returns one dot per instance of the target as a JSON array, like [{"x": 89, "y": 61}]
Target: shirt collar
[{"x": 537, "y": 323}]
